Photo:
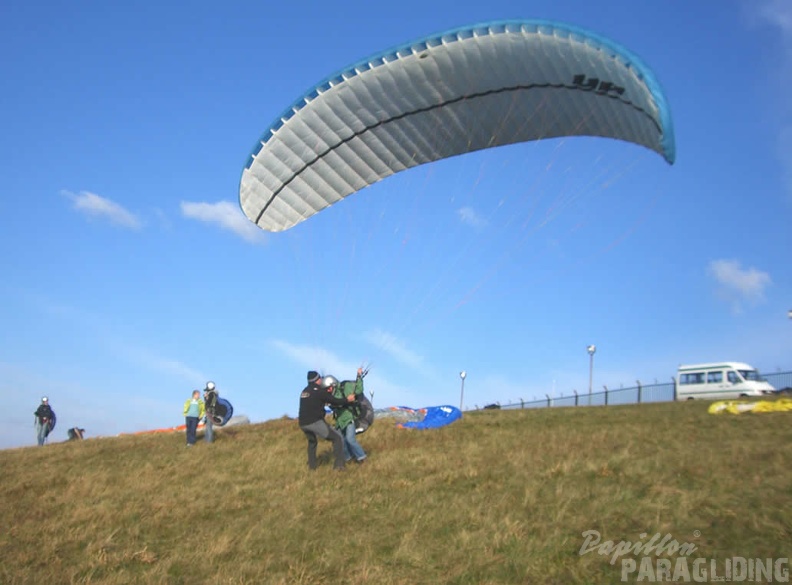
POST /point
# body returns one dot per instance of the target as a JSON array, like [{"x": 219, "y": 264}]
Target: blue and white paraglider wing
[{"x": 452, "y": 93}]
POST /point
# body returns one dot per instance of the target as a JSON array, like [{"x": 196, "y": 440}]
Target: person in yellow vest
[{"x": 194, "y": 411}]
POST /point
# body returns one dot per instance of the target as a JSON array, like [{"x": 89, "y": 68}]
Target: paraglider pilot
[
  {"x": 345, "y": 415},
  {"x": 43, "y": 420},
  {"x": 312, "y": 420},
  {"x": 210, "y": 402}
]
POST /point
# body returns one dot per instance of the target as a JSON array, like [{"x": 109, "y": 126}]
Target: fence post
[
  {"x": 639, "y": 390},
  {"x": 522, "y": 403},
  {"x": 549, "y": 404},
  {"x": 576, "y": 397},
  {"x": 606, "y": 394}
]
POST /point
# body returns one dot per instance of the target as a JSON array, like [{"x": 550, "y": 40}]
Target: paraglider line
[{"x": 321, "y": 155}]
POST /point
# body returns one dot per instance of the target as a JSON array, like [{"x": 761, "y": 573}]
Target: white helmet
[
  {"x": 44, "y": 399},
  {"x": 329, "y": 381},
  {"x": 210, "y": 386}
]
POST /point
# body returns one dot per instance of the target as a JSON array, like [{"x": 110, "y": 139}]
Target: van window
[
  {"x": 751, "y": 375},
  {"x": 714, "y": 377},
  {"x": 692, "y": 378},
  {"x": 734, "y": 378}
]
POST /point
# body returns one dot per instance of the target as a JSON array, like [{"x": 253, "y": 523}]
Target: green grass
[{"x": 497, "y": 497}]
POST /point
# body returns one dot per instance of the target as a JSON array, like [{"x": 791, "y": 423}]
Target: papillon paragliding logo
[{"x": 661, "y": 558}]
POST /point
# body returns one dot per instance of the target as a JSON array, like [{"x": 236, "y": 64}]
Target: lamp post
[
  {"x": 591, "y": 349},
  {"x": 463, "y": 375}
]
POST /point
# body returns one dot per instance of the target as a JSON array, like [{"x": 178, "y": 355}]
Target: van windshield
[{"x": 751, "y": 375}]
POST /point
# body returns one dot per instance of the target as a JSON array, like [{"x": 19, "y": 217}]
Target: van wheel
[
  {"x": 743, "y": 396},
  {"x": 691, "y": 398}
]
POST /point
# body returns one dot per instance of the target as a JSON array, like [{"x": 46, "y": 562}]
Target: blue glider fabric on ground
[
  {"x": 436, "y": 416},
  {"x": 431, "y": 417}
]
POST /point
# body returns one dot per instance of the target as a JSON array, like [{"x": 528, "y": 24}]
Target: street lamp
[
  {"x": 463, "y": 375},
  {"x": 591, "y": 349}
]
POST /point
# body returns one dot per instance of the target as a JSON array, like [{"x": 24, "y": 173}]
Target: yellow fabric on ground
[{"x": 738, "y": 407}]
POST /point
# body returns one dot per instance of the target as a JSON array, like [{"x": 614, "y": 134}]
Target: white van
[{"x": 720, "y": 381}]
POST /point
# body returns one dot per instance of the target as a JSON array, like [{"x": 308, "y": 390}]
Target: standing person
[
  {"x": 193, "y": 412},
  {"x": 210, "y": 402},
  {"x": 345, "y": 415},
  {"x": 43, "y": 420},
  {"x": 312, "y": 420}
]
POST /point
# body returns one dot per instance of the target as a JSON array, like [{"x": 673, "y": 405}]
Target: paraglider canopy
[{"x": 459, "y": 91}]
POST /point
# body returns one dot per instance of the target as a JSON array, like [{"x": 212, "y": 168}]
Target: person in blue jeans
[
  {"x": 43, "y": 421},
  {"x": 193, "y": 412},
  {"x": 345, "y": 415}
]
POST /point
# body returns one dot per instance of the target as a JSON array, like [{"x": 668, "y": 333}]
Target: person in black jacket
[
  {"x": 43, "y": 420},
  {"x": 312, "y": 420},
  {"x": 210, "y": 403}
]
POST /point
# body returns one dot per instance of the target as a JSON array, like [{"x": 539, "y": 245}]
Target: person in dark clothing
[
  {"x": 76, "y": 434},
  {"x": 312, "y": 420},
  {"x": 210, "y": 403},
  {"x": 43, "y": 420}
]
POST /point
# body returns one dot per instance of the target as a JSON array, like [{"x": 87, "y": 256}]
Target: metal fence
[{"x": 638, "y": 394}]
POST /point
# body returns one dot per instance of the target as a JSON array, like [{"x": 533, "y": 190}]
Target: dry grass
[{"x": 498, "y": 497}]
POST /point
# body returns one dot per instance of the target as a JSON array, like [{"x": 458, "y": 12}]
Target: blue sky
[{"x": 131, "y": 277}]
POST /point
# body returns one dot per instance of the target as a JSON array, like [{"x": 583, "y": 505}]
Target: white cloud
[
  {"x": 97, "y": 206},
  {"x": 154, "y": 362},
  {"x": 317, "y": 358},
  {"x": 225, "y": 214},
  {"x": 395, "y": 348},
  {"x": 325, "y": 361},
  {"x": 98, "y": 327},
  {"x": 468, "y": 215},
  {"x": 777, "y": 13},
  {"x": 737, "y": 284},
  {"x": 314, "y": 358}
]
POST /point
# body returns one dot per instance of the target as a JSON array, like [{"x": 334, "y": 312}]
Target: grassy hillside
[{"x": 497, "y": 497}]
